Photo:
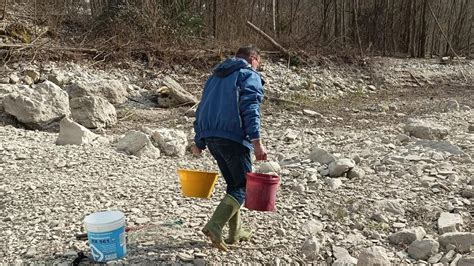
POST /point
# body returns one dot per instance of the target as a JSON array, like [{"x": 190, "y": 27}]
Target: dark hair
[{"x": 247, "y": 51}]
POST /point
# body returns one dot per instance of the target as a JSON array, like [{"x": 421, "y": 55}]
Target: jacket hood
[{"x": 229, "y": 66}]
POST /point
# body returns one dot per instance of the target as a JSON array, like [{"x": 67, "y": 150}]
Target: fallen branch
[
  {"x": 272, "y": 41},
  {"x": 50, "y": 48},
  {"x": 416, "y": 80}
]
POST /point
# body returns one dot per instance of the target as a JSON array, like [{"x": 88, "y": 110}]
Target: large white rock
[
  {"x": 172, "y": 94},
  {"x": 426, "y": 129},
  {"x": 71, "y": 133},
  {"x": 407, "y": 236},
  {"x": 449, "y": 222},
  {"x": 312, "y": 227},
  {"x": 463, "y": 241},
  {"x": 339, "y": 167},
  {"x": 37, "y": 107},
  {"x": 321, "y": 156},
  {"x": 423, "y": 249},
  {"x": 373, "y": 256},
  {"x": 93, "y": 112},
  {"x": 170, "y": 141},
  {"x": 113, "y": 90},
  {"x": 311, "y": 248},
  {"x": 343, "y": 258},
  {"x": 139, "y": 144}
]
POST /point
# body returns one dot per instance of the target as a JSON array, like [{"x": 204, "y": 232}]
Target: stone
[
  {"x": 171, "y": 142},
  {"x": 373, "y": 256},
  {"x": 312, "y": 113},
  {"x": 466, "y": 261},
  {"x": 138, "y": 144},
  {"x": 448, "y": 256},
  {"x": 462, "y": 240},
  {"x": 341, "y": 166},
  {"x": 58, "y": 79},
  {"x": 467, "y": 193},
  {"x": 113, "y": 90},
  {"x": 142, "y": 220},
  {"x": 311, "y": 248},
  {"x": 185, "y": 257},
  {"x": 449, "y": 222},
  {"x": 424, "y": 129},
  {"x": 451, "y": 105},
  {"x": 356, "y": 172},
  {"x": 470, "y": 128},
  {"x": 407, "y": 236},
  {"x": 93, "y": 112},
  {"x": 345, "y": 261},
  {"x": 454, "y": 262},
  {"x": 371, "y": 88},
  {"x": 312, "y": 227},
  {"x": 28, "y": 81},
  {"x": 31, "y": 252},
  {"x": 423, "y": 249},
  {"x": 290, "y": 135},
  {"x": 37, "y": 107},
  {"x": 172, "y": 94},
  {"x": 440, "y": 145},
  {"x": 334, "y": 183},
  {"x": 321, "y": 156},
  {"x": 435, "y": 258},
  {"x": 33, "y": 74},
  {"x": 71, "y": 133},
  {"x": 268, "y": 167},
  {"x": 391, "y": 205},
  {"x": 403, "y": 138},
  {"x": 14, "y": 79}
]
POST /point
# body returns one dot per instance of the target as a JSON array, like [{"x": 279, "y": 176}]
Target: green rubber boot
[
  {"x": 223, "y": 213},
  {"x": 236, "y": 232}
]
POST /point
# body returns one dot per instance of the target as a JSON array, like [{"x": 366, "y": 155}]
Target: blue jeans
[{"x": 234, "y": 161}]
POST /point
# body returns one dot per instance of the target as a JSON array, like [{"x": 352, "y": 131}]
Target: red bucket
[{"x": 261, "y": 190}]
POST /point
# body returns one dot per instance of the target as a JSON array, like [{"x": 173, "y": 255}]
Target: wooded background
[{"x": 416, "y": 28}]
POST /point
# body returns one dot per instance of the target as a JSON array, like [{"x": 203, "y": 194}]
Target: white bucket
[{"x": 106, "y": 234}]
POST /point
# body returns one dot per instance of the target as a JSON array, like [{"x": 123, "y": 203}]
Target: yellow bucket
[{"x": 197, "y": 184}]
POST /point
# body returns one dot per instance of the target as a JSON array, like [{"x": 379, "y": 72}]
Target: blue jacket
[{"x": 230, "y": 104}]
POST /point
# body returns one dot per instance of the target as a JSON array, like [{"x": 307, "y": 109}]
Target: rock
[
  {"x": 439, "y": 145},
  {"x": 466, "y": 261},
  {"x": 290, "y": 135},
  {"x": 451, "y": 105},
  {"x": 403, "y": 138},
  {"x": 379, "y": 217},
  {"x": 462, "y": 240},
  {"x": 345, "y": 261},
  {"x": 341, "y": 166},
  {"x": 58, "y": 79},
  {"x": 449, "y": 222},
  {"x": 311, "y": 248},
  {"x": 33, "y": 75},
  {"x": 470, "y": 128},
  {"x": 334, "y": 183},
  {"x": 93, "y": 112},
  {"x": 31, "y": 252},
  {"x": 371, "y": 88},
  {"x": 448, "y": 256},
  {"x": 372, "y": 256},
  {"x": 312, "y": 227},
  {"x": 113, "y": 90},
  {"x": 425, "y": 129},
  {"x": 321, "y": 156},
  {"x": 407, "y": 236},
  {"x": 37, "y": 107},
  {"x": 142, "y": 220},
  {"x": 312, "y": 113},
  {"x": 71, "y": 133},
  {"x": 391, "y": 205},
  {"x": 28, "y": 81},
  {"x": 454, "y": 262},
  {"x": 467, "y": 193},
  {"x": 435, "y": 258},
  {"x": 423, "y": 249},
  {"x": 138, "y": 144},
  {"x": 356, "y": 172},
  {"x": 172, "y": 94},
  {"x": 185, "y": 257},
  {"x": 268, "y": 167},
  {"x": 170, "y": 141},
  {"x": 14, "y": 79}
]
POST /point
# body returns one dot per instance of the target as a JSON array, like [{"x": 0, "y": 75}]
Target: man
[{"x": 228, "y": 123}]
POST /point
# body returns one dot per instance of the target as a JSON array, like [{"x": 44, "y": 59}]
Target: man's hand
[
  {"x": 195, "y": 150},
  {"x": 259, "y": 150}
]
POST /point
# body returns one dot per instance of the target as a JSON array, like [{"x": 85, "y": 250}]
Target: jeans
[{"x": 234, "y": 162}]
